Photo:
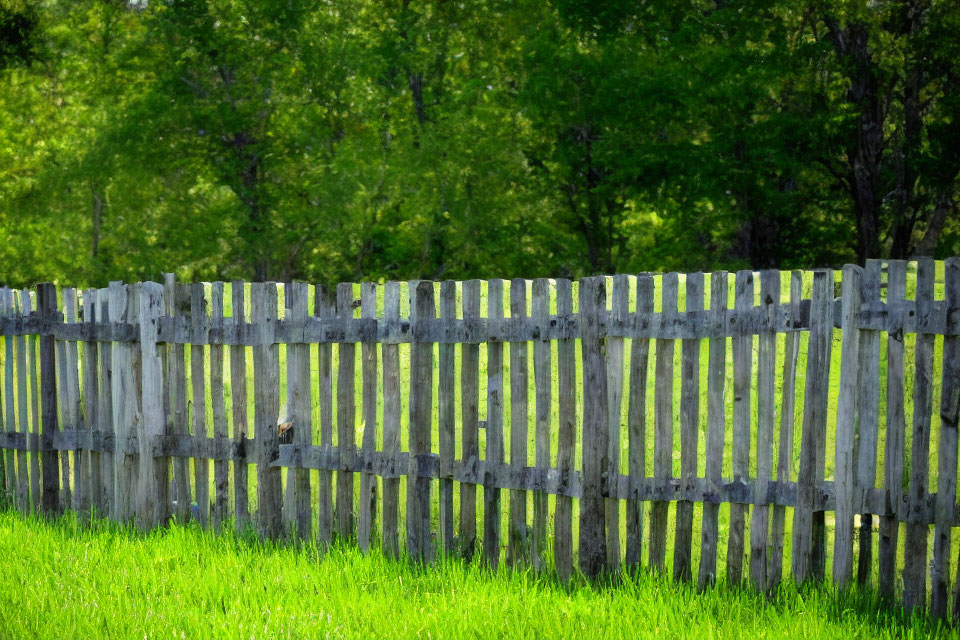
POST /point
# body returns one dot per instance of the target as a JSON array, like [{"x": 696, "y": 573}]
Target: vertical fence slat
[
  {"x": 153, "y": 500},
  {"x": 868, "y": 407},
  {"x": 470, "y": 405},
  {"x": 299, "y": 410},
  {"x": 947, "y": 447},
  {"x": 846, "y": 426},
  {"x": 71, "y": 412},
  {"x": 620, "y": 297},
  {"x": 266, "y": 372},
  {"x": 895, "y": 432},
  {"x": 198, "y": 375},
  {"x": 419, "y": 542},
  {"x": 65, "y": 402},
  {"x": 542, "y": 363},
  {"x": 791, "y": 352},
  {"x": 10, "y": 478},
  {"x": 663, "y": 425},
  {"x": 494, "y": 452},
  {"x": 174, "y": 303},
  {"x": 594, "y": 434},
  {"x": 716, "y": 423},
  {"x": 325, "y": 310},
  {"x": 23, "y": 418},
  {"x": 566, "y": 435},
  {"x": 105, "y": 403},
  {"x": 368, "y": 481},
  {"x": 742, "y": 346},
  {"x": 809, "y": 474},
  {"x": 91, "y": 459},
  {"x": 238, "y": 413},
  {"x": 391, "y": 421},
  {"x": 124, "y": 407},
  {"x": 47, "y": 305},
  {"x": 689, "y": 433},
  {"x": 221, "y": 468},
  {"x": 346, "y": 416},
  {"x": 446, "y": 417},
  {"x": 637, "y": 427},
  {"x": 34, "y": 428},
  {"x": 766, "y": 417},
  {"x": 915, "y": 571},
  {"x": 519, "y": 425}
]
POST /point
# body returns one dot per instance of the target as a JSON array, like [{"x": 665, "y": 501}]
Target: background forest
[{"x": 349, "y": 139}]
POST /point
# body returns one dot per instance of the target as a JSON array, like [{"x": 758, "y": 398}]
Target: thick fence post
[
  {"x": 593, "y": 547},
  {"x": 47, "y": 306},
  {"x": 266, "y": 367}
]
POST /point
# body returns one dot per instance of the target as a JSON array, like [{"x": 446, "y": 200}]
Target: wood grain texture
[
  {"x": 619, "y": 303},
  {"x": 689, "y": 433},
  {"x": 325, "y": 309},
  {"x": 566, "y": 435},
  {"x": 346, "y": 417},
  {"x": 367, "y": 512},
  {"x": 220, "y": 509},
  {"x": 105, "y": 404},
  {"x": 542, "y": 374},
  {"x": 868, "y": 408},
  {"x": 153, "y": 506},
  {"x": 446, "y": 418},
  {"x": 663, "y": 427},
  {"x": 91, "y": 386},
  {"x": 391, "y": 423},
  {"x": 266, "y": 373},
  {"x": 742, "y": 347},
  {"x": 517, "y": 549},
  {"x": 238, "y": 411},
  {"x": 300, "y": 411},
  {"x": 494, "y": 449},
  {"x": 637, "y": 426},
  {"x": 419, "y": 542},
  {"x": 198, "y": 399}
]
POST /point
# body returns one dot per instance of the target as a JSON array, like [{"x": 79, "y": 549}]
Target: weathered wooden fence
[{"x": 105, "y": 408}]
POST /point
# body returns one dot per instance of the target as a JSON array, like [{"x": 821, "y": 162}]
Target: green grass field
[{"x": 68, "y": 579}]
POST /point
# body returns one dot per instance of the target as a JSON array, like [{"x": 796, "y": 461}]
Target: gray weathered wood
[
  {"x": 595, "y": 432},
  {"x": 391, "y": 423},
  {"x": 742, "y": 347},
  {"x": 494, "y": 452},
  {"x": 11, "y": 481},
  {"x": 914, "y": 572},
  {"x": 663, "y": 426},
  {"x": 23, "y": 418},
  {"x": 325, "y": 309},
  {"x": 894, "y": 436},
  {"x": 419, "y": 543},
  {"x": 367, "y": 515},
  {"x": 105, "y": 404},
  {"x": 176, "y": 304},
  {"x": 791, "y": 351},
  {"x": 868, "y": 407},
  {"x": 266, "y": 372},
  {"x": 542, "y": 374},
  {"x": 689, "y": 433},
  {"x": 238, "y": 413},
  {"x": 70, "y": 413},
  {"x": 34, "y": 427},
  {"x": 93, "y": 487},
  {"x": 125, "y": 407},
  {"x": 153, "y": 499},
  {"x": 469, "y": 407},
  {"x": 346, "y": 416},
  {"x": 716, "y": 423},
  {"x": 299, "y": 408},
  {"x": 846, "y": 427},
  {"x": 198, "y": 375},
  {"x": 446, "y": 407},
  {"x": 519, "y": 425},
  {"x": 566, "y": 435},
  {"x": 946, "y": 451},
  {"x": 220, "y": 509},
  {"x": 805, "y": 523},
  {"x": 47, "y": 306},
  {"x": 620, "y": 295},
  {"x": 637, "y": 426}
]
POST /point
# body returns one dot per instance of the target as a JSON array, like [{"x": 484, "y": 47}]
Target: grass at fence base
[{"x": 70, "y": 578}]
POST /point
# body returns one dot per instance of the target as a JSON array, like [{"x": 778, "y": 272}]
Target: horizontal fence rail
[{"x": 821, "y": 407}]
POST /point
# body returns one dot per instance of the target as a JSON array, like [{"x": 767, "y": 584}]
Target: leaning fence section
[{"x": 748, "y": 426}]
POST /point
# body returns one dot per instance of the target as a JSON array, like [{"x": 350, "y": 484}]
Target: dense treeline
[{"x": 350, "y": 139}]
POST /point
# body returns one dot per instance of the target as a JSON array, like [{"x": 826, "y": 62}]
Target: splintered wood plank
[
  {"x": 23, "y": 418},
  {"x": 34, "y": 427},
  {"x": 519, "y": 425},
  {"x": 391, "y": 421},
  {"x": 419, "y": 543},
  {"x": 593, "y": 302},
  {"x": 791, "y": 351},
  {"x": 637, "y": 427},
  {"x": 154, "y": 500},
  {"x": 176, "y": 302},
  {"x": 346, "y": 416},
  {"x": 266, "y": 373},
  {"x": 868, "y": 407},
  {"x": 221, "y": 468},
  {"x": 325, "y": 309},
  {"x": 915, "y": 571},
  {"x": 470, "y": 419},
  {"x": 689, "y": 433},
  {"x": 946, "y": 449},
  {"x": 366, "y": 522},
  {"x": 47, "y": 306},
  {"x": 614, "y": 372},
  {"x": 566, "y": 435},
  {"x": 447, "y": 418},
  {"x": 542, "y": 363},
  {"x": 742, "y": 380},
  {"x": 198, "y": 375},
  {"x": 716, "y": 422},
  {"x": 494, "y": 452},
  {"x": 299, "y": 410},
  {"x": 663, "y": 426},
  {"x": 846, "y": 426},
  {"x": 806, "y": 531},
  {"x": 766, "y": 417},
  {"x": 105, "y": 404},
  {"x": 238, "y": 413}
]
